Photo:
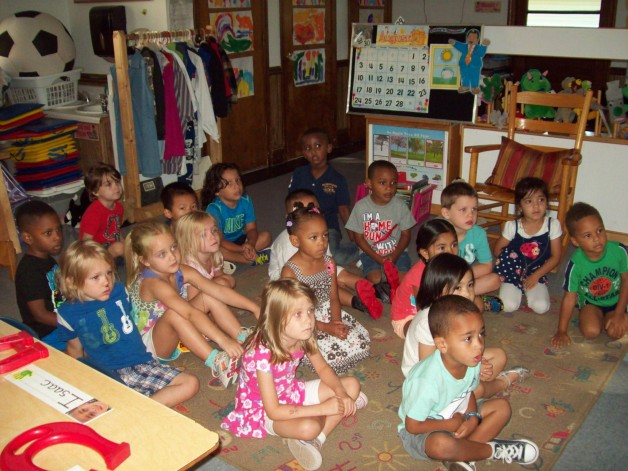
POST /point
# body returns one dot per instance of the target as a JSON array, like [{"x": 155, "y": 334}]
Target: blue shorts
[
  {"x": 368, "y": 264},
  {"x": 240, "y": 240},
  {"x": 605, "y": 309}
]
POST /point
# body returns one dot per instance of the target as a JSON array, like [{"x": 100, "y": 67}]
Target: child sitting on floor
[
  {"x": 269, "y": 399},
  {"x": 440, "y": 417},
  {"x": 95, "y": 320},
  {"x": 224, "y": 198}
]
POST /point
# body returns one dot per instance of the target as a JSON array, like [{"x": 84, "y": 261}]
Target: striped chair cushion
[{"x": 516, "y": 161}]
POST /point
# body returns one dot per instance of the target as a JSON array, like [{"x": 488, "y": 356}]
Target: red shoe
[
  {"x": 366, "y": 294},
  {"x": 392, "y": 277}
]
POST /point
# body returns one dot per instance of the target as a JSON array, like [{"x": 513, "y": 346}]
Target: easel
[
  {"x": 9, "y": 241},
  {"x": 133, "y": 209}
]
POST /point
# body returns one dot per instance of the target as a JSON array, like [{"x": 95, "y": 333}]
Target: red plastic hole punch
[
  {"x": 27, "y": 351},
  {"x": 54, "y": 433}
]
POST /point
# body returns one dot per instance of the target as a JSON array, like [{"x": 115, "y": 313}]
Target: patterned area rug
[{"x": 547, "y": 409}]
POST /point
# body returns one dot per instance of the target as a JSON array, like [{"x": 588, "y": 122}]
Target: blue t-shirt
[
  {"x": 330, "y": 188},
  {"x": 474, "y": 246},
  {"x": 431, "y": 392},
  {"x": 105, "y": 329},
  {"x": 232, "y": 221}
]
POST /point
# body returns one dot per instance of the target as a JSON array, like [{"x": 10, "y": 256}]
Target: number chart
[
  {"x": 392, "y": 78},
  {"x": 390, "y": 73}
]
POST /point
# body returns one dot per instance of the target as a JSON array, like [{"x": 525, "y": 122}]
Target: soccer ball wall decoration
[{"x": 34, "y": 44}]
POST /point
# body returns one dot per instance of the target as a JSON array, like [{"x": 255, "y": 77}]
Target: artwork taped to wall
[
  {"x": 308, "y": 67},
  {"x": 444, "y": 68},
  {"x": 234, "y": 30},
  {"x": 371, "y": 15},
  {"x": 243, "y": 70},
  {"x": 308, "y": 26},
  {"x": 308, "y": 3},
  {"x": 228, "y": 4},
  {"x": 372, "y": 3}
]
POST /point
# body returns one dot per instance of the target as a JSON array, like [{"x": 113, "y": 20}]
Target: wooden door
[
  {"x": 308, "y": 45},
  {"x": 244, "y": 132}
]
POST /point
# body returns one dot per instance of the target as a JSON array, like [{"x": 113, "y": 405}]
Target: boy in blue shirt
[
  {"x": 330, "y": 188},
  {"x": 440, "y": 418},
  {"x": 596, "y": 279},
  {"x": 459, "y": 205}
]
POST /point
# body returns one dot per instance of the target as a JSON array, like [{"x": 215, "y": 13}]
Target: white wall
[
  {"x": 603, "y": 167},
  {"x": 446, "y": 12},
  {"x": 151, "y": 14}
]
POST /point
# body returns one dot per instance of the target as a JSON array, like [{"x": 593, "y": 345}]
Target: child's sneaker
[
  {"x": 392, "y": 277},
  {"x": 366, "y": 295},
  {"x": 361, "y": 401},
  {"x": 244, "y": 333},
  {"x": 263, "y": 257},
  {"x": 307, "y": 453},
  {"x": 382, "y": 291},
  {"x": 225, "y": 368},
  {"x": 459, "y": 465},
  {"x": 514, "y": 451},
  {"x": 492, "y": 303},
  {"x": 228, "y": 268}
]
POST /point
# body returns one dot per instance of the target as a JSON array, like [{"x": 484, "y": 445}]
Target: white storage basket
[{"x": 49, "y": 90}]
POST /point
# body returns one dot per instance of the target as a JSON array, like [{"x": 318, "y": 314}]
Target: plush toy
[
  {"x": 471, "y": 55},
  {"x": 570, "y": 86},
  {"x": 491, "y": 88},
  {"x": 535, "y": 81},
  {"x": 77, "y": 209}
]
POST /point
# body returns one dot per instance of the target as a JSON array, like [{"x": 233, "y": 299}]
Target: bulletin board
[{"x": 408, "y": 70}]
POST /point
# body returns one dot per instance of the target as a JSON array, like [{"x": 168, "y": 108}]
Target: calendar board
[{"x": 408, "y": 70}]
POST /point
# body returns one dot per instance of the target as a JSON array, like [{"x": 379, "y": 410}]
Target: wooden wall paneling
[
  {"x": 245, "y": 131},
  {"x": 275, "y": 86},
  {"x": 356, "y": 124},
  {"x": 310, "y": 105},
  {"x": 342, "y": 118}
]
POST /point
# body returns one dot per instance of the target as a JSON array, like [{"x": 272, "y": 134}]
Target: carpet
[{"x": 547, "y": 409}]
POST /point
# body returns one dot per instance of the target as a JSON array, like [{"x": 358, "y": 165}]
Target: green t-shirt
[{"x": 597, "y": 282}]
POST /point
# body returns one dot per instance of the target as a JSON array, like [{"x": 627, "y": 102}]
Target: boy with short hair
[
  {"x": 103, "y": 218},
  {"x": 439, "y": 412},
  {"x": 40, "y": 229},
  {"x": 330, "y": 188},
  {"x": 596, "y": 279},
  {"x": 178, "y": 199},
  {"x": 282, "y": 249},
  {"x": 381, "y": 224},
  {"x": 459, "y": 205}
]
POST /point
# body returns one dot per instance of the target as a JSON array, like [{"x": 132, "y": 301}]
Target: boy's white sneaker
[
  {"x": 459, "y": 465},
  {"x": 514, "y": 451},
  {"x": 307, "y": 453}
]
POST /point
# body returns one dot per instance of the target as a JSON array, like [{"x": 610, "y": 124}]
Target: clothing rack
[{"x": 133, "y": 209}]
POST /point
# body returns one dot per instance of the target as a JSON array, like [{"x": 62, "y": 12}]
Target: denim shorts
[{"x": 368, "y": 264}]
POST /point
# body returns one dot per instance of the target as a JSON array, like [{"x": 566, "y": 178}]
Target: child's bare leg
[
  {"x": 183, "y": 387},
  {"x": 486, "y": 283},
  {"x": 345, "y": 297},
  {"x": 225, "y": 280},
  {"x": 346, "y": 279},
  {"x": 591, "y": 321},
  {"x": 442, "y": 446},
  {"x": 171, "y": 328},
  {"x": 494, "y": 384},
  {"x": 351, "y": 385},
  {"x": 220, "y": 313},
  {"x": 374, "y": 276},
  {"x": 306, "y": 428},
  {"x": 237, "y": 257},
  {"x": 264, "y": 240},
  {"x": 495, "y": 415}
]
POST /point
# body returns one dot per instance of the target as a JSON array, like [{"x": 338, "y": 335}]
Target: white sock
[{"x": 321, "y": 438}]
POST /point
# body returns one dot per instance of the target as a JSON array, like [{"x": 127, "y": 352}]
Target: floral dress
[
  {"x": 341, "y": 355},
  {"x": 523, "y": 256},
  {"x": 248, "y": 416}
]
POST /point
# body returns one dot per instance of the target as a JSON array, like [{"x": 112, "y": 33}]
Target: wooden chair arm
[
  {"x": 573, "y": 160},
  {"x": 473, "y": 163},
  {"x": 482, "y": 148}
]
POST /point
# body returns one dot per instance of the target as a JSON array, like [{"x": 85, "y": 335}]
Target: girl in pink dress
[{"x": 269, "y": 399}]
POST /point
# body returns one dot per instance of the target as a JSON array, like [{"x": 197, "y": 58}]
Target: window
[{"x": 567, "y": 13}]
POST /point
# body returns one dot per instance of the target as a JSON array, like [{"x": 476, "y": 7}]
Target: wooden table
[{"x": 160, "y": 438}]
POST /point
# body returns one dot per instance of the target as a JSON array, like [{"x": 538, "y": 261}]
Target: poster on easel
[{"x": 412, "y": 70}]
